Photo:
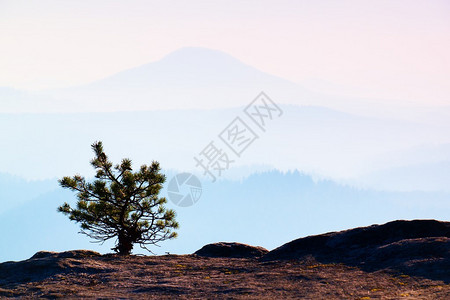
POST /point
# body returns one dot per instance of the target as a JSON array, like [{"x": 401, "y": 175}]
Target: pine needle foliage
[{"x": 121, "y": 204}]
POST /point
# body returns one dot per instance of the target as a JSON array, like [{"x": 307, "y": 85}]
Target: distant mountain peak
[{"x": 199, "y": 54}]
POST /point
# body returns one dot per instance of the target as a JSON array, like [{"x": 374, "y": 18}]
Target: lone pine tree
[{"x": 121, "y": 204}]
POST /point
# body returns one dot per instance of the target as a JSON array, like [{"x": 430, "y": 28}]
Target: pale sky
[{"x": 377, "y": 49}]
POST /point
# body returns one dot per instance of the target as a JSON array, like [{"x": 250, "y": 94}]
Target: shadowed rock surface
[
  {"x": 401, "y": 259},
  {"x": 418, "y": 247},
  {"x": 236, "y": 250},
  {"x": 44, "y": 264}
]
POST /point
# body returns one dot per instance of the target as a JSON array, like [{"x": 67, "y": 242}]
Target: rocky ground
[{"x": 398, "y": 260}]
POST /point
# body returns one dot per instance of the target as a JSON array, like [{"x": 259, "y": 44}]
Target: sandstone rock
[
  {"x": 234, "y": 250},
  {"x": 66, "y": 254},
  {"x": 415, "y": 247},
  {"x": 45, "y": 263}
]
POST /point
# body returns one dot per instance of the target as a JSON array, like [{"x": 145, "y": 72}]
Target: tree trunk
[{"x": 125, "y": 245}]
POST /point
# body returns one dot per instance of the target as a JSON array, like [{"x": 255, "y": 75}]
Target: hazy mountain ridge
[
  {"x": 189, "y": 78},
  {"x": 361, "y": 145},
  {"x": 210, "y": 80},
  {"x": 426, "y": 177},
  {"x": 199, "y": 78},
  {"x": 288, "y": 200},
  {"x": 15, "y": 191}
]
